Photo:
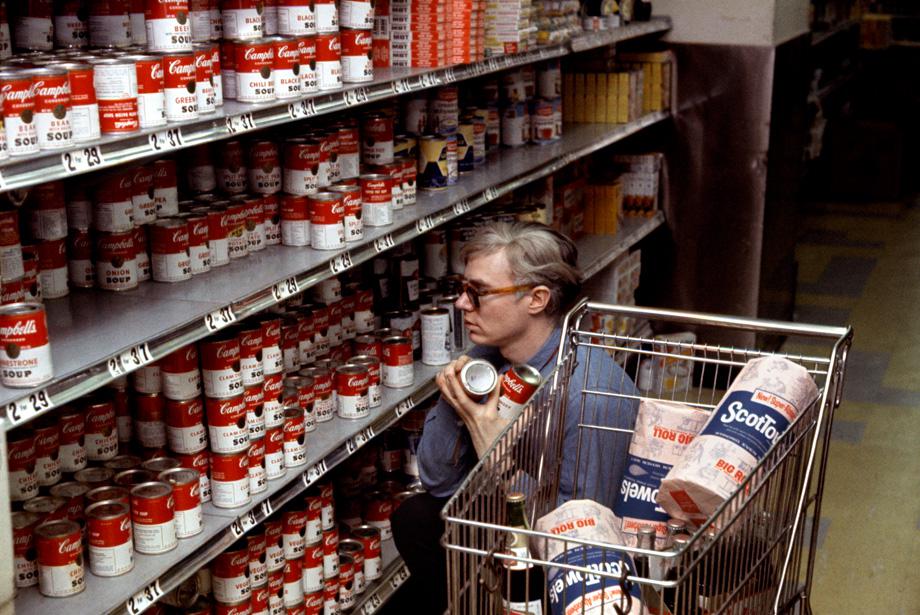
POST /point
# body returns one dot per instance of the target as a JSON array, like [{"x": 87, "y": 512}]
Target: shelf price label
[
  {"x": 428, "y": 80},
  {"x": 423, "y": 225},
  {"x": 243, "y": 524},
  {"x": 314, "y": 473},
  {"x": 384, "y": 243},
  {"x": 284, "y": 289},
  {"x": 144, "y": 599},
  {"x": 371, "y": 605},
  {"x": 81, "y": 160},
  {"x": 130, "y": 360},
  {"x": 461, "y": 207},
  {"x": 355, "y": 96},
  {"x": 448, "y": 76},
  {"x": 166, "y": 139},
  {"x": 351, "y": 445},
  {"x": 219, "y": 318},
  {"x": 266, "y": 509},
  {"x": 400, "y": 86},
  {"x": 303, "y": 108},
  {"x": 25, "y": 408},
  {"x": 404, "y": 406},
  {"x": 340, "y": 263},
  {"x": 2, "y": 182},
  {"x": 490, "y": 193},
  {"x": 239, "y": 123},
  {"x": 399, "y": 577}
]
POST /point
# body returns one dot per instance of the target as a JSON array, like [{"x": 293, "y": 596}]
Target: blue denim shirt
[{"x": 446, "y": 453}]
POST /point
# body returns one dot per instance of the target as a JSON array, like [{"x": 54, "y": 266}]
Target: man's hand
[{"x": 481, "y": 420}]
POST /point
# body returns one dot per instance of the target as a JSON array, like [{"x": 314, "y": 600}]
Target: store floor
[{"x": 860, "y": 264}]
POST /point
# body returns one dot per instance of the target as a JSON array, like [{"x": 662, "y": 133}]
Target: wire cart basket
[{"x": 756, "y": 552}]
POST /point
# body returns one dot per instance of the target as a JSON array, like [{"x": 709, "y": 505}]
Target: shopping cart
[{"x": 756, "y": 553}]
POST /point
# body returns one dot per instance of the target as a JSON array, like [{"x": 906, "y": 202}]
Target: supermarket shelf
[
  {"x": 236, "y": 118},
  {"x": 819, "y": 37},
  {"x": 395, "y": 573},
  {"x": 155, "y": 575},
  {"x": 596, "y": 252},
  {"x": 328, "y": 446},
  {"x": 93, "y": 333}
]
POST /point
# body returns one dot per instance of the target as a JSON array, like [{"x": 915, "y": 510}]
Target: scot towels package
[
  {"x": 663, "y": 431},
  {"x": 765, "y": 398},
  {"x": 571, "y": 591}
]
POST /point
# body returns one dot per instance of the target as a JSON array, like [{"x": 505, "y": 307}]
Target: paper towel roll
[
  {"x": 767, "y": 395},
  {"x": 663, "y": 431}
]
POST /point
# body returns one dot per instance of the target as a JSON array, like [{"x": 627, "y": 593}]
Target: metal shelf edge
[
  {"x": 38, "y": 401},
  {"x": 395, "y": 573},
  {"x": 235, "y": 119}
]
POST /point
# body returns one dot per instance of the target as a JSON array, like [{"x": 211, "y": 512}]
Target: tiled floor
[{"x": 860, "y": 265}]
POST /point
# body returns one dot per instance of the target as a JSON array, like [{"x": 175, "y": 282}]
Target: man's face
[{"x": 499, "y": 319}]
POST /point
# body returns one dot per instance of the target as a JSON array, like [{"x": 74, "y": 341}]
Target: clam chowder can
[
  {"x": 258, "y": 480},
  {"x": 187, "y": 497},
  {"x": 274, "y": 453},
  {"x": 220, "y": 366},
  {"x": 230, "y": 479},
  {"x": 185, "y": 430},
  {"x": 352, "y": 383},
  {"x": 295, "y": 449},
  {"x": 227, "y": 428}
]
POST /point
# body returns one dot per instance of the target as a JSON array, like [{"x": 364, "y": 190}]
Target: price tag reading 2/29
[
  {"x": 81, "y": 160},
  {"x": 340, "y": 263},
  {"x": 24, "y": 409},
  {"x": 285, "y": 288},
  {"x": 220, "y": 318},
  {"x": 144, "y": 599}
]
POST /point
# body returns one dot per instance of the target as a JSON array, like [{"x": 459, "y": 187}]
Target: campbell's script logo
[
  {"x": 355, "y": 382},
  {"x": 156, "y": 71},
  {"x": 255, "y": 55},
  {"x": 125, "y": 525},
  {"x": 228, "y": 352},
  {"x": 178, "y": 67},
  {"x": 70, "y": 547},
  {"x": 22, "y": 327},
  {"x": 43, "y": 90},
  {"x": 515, "y": 385},
  {"x": 362, "y": 39}
]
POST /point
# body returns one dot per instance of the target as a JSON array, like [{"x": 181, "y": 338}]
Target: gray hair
[{"x": 537, "y": 254}]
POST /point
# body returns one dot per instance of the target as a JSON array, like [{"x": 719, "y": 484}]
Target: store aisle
[{"x": 860, "y": 264}]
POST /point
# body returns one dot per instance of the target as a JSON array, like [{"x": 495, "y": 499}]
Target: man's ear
[{"x": 539, "y": 299}]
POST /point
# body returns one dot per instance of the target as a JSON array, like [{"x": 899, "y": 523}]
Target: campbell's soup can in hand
[
  {"x": 517, "y": 387},
  {"x": 60, "y": 558},
  {"x": 25, "y": 353},
  {"x": 111, "y": 546}
]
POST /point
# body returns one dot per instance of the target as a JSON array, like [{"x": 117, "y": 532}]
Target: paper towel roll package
[
  {"x": 662, "y": 432},
  {"x": 765, "y": 398},
  {"x": 571, "y": 591}
]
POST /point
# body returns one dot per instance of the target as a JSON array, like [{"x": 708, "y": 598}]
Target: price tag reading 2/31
[
  {"x": 25, "y": 408},
  {"x": 220, "y": 318},
  {"x": 144, "y": 599},
  {"x": 243, "y": 524},
  {"x": 81, "y": 160}
]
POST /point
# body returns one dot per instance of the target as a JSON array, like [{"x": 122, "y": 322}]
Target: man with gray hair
[{"x": 520, "y": 280}]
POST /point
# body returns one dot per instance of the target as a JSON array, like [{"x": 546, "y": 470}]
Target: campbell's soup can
[
  {"x": 313, "y": 504},
  {"x": 199, "y": 19},
  {"x": 357, "y": 58},
  {"x": 165, "y": 187},
  {"x": 170, "y": 251},
  {"x": 274, "y": 543},
  {"x": 179, "y": 84},
  {"x": 272, "y": 396},
  {"x": 251, "y": 366},
  {"x": 21, "y": 463},
  {"x": 227, "y": 428},
  {"x": 258, "y": 568},
  {"x": 206, "y": 79},
  {"x": 274, "y": 453},
  {"x": 329, "y": 170},
  {"x": 80, "y": 269},
  {"x": 327, "y": 16},
  {"x": 47, "y": 453},
  {"x": 330, "y": 553},
  {"x": 149, "y": 421},
  {"x": 346, "y": 581},
  {"x": 110, "y": 24},
  {"x": 185, "y": 430},
  {"x": 372, "y": 364},
  {"x": 25, "y": 353},
  {"x": 352, "y": 382},
  {"x": 143, "y": 205},
  {"x": 295, "y": 449},
  {"x": 327, "y": 215},
  {"x": 276, "y": 591},
  {"x": 187, "y": 496},
  {"x": 217, "y": 76},
  {"x": 52, "y": 263},
  {"x": 237, "y": 235},
  {"x": 181, "y": 379},
  {"x": 377, "y": 136},
  {"x": 230, "y": 579},
  {"x": 376, "y": 199},
  {"x": 60, "y": 558},
  {"x": 328, "y": 61},
  {"x": 220, "y": 366},
  {"x": 517, "y": 387},
  {"x": 227, "y": 49},
  {"x": 232, "y": 176},
  {"x": 351, "y": 210},
  {"x": 116, "y": 261},
  {"x": 147, "y": 379},
  {"x": 313, "y": 568},
  {"x": 301, "y": 169},
  {"x": 293, "y": 531},
  {"x": 72, "y": 450},
  {"x": 369, "y": 536},
  {"x": 255, "y": 415},
  {"x": 286, "y": 67},
  {"x": 25, "y": 563},
  {"x": 292, "y": 588},
  {"x": 168, "y": 26},
  {"x": 198, "y": 243},
  {"x": 254, "y": 61},
  {"x": 259, "y": 602},
  {"x": 230, "y": 479},
  {"x": 397, "y": 369},
  {"x": 258, "y": 478},
  {"x": 358, "y": 14},
  {"x": 100, "y": 435},
  {"x": 33, "y": 26},
  {"x": 84, "y": 110},
  {"x": 200, "y": 462},
  {"x": 115, "y": 82},
  {"x": 19, "y": 112},
  {"x": 242, "y": 19},
  {"x": 377, "y": 513},
  {"x": 264, "y": 167},
  {"x": 272, "y": 360},
  {"x": 296, "y": 18},
  {"x": 323, "y": 394},
  {"x": 354, "y": 549},
  {"x": 153, "y": 517},
  {"x": 51, "y": 94},
  {"x": 111, "y": 546},
  {"x": 349, "y": 151},
  {"x": 308, "y": 77}
]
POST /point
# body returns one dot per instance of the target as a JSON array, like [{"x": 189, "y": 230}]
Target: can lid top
[
  {"x": 69, "y": 489},
  {"x": 179, "y": 476},
  {"x": 107, "y": 509},
  {"x": 151, "y": 489},
  {"x": 17, "y": 309},
  {"x": 57, "y": 528},
  {"x": 24, "y": 518},
  {"x": 44, "y": 504}
]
